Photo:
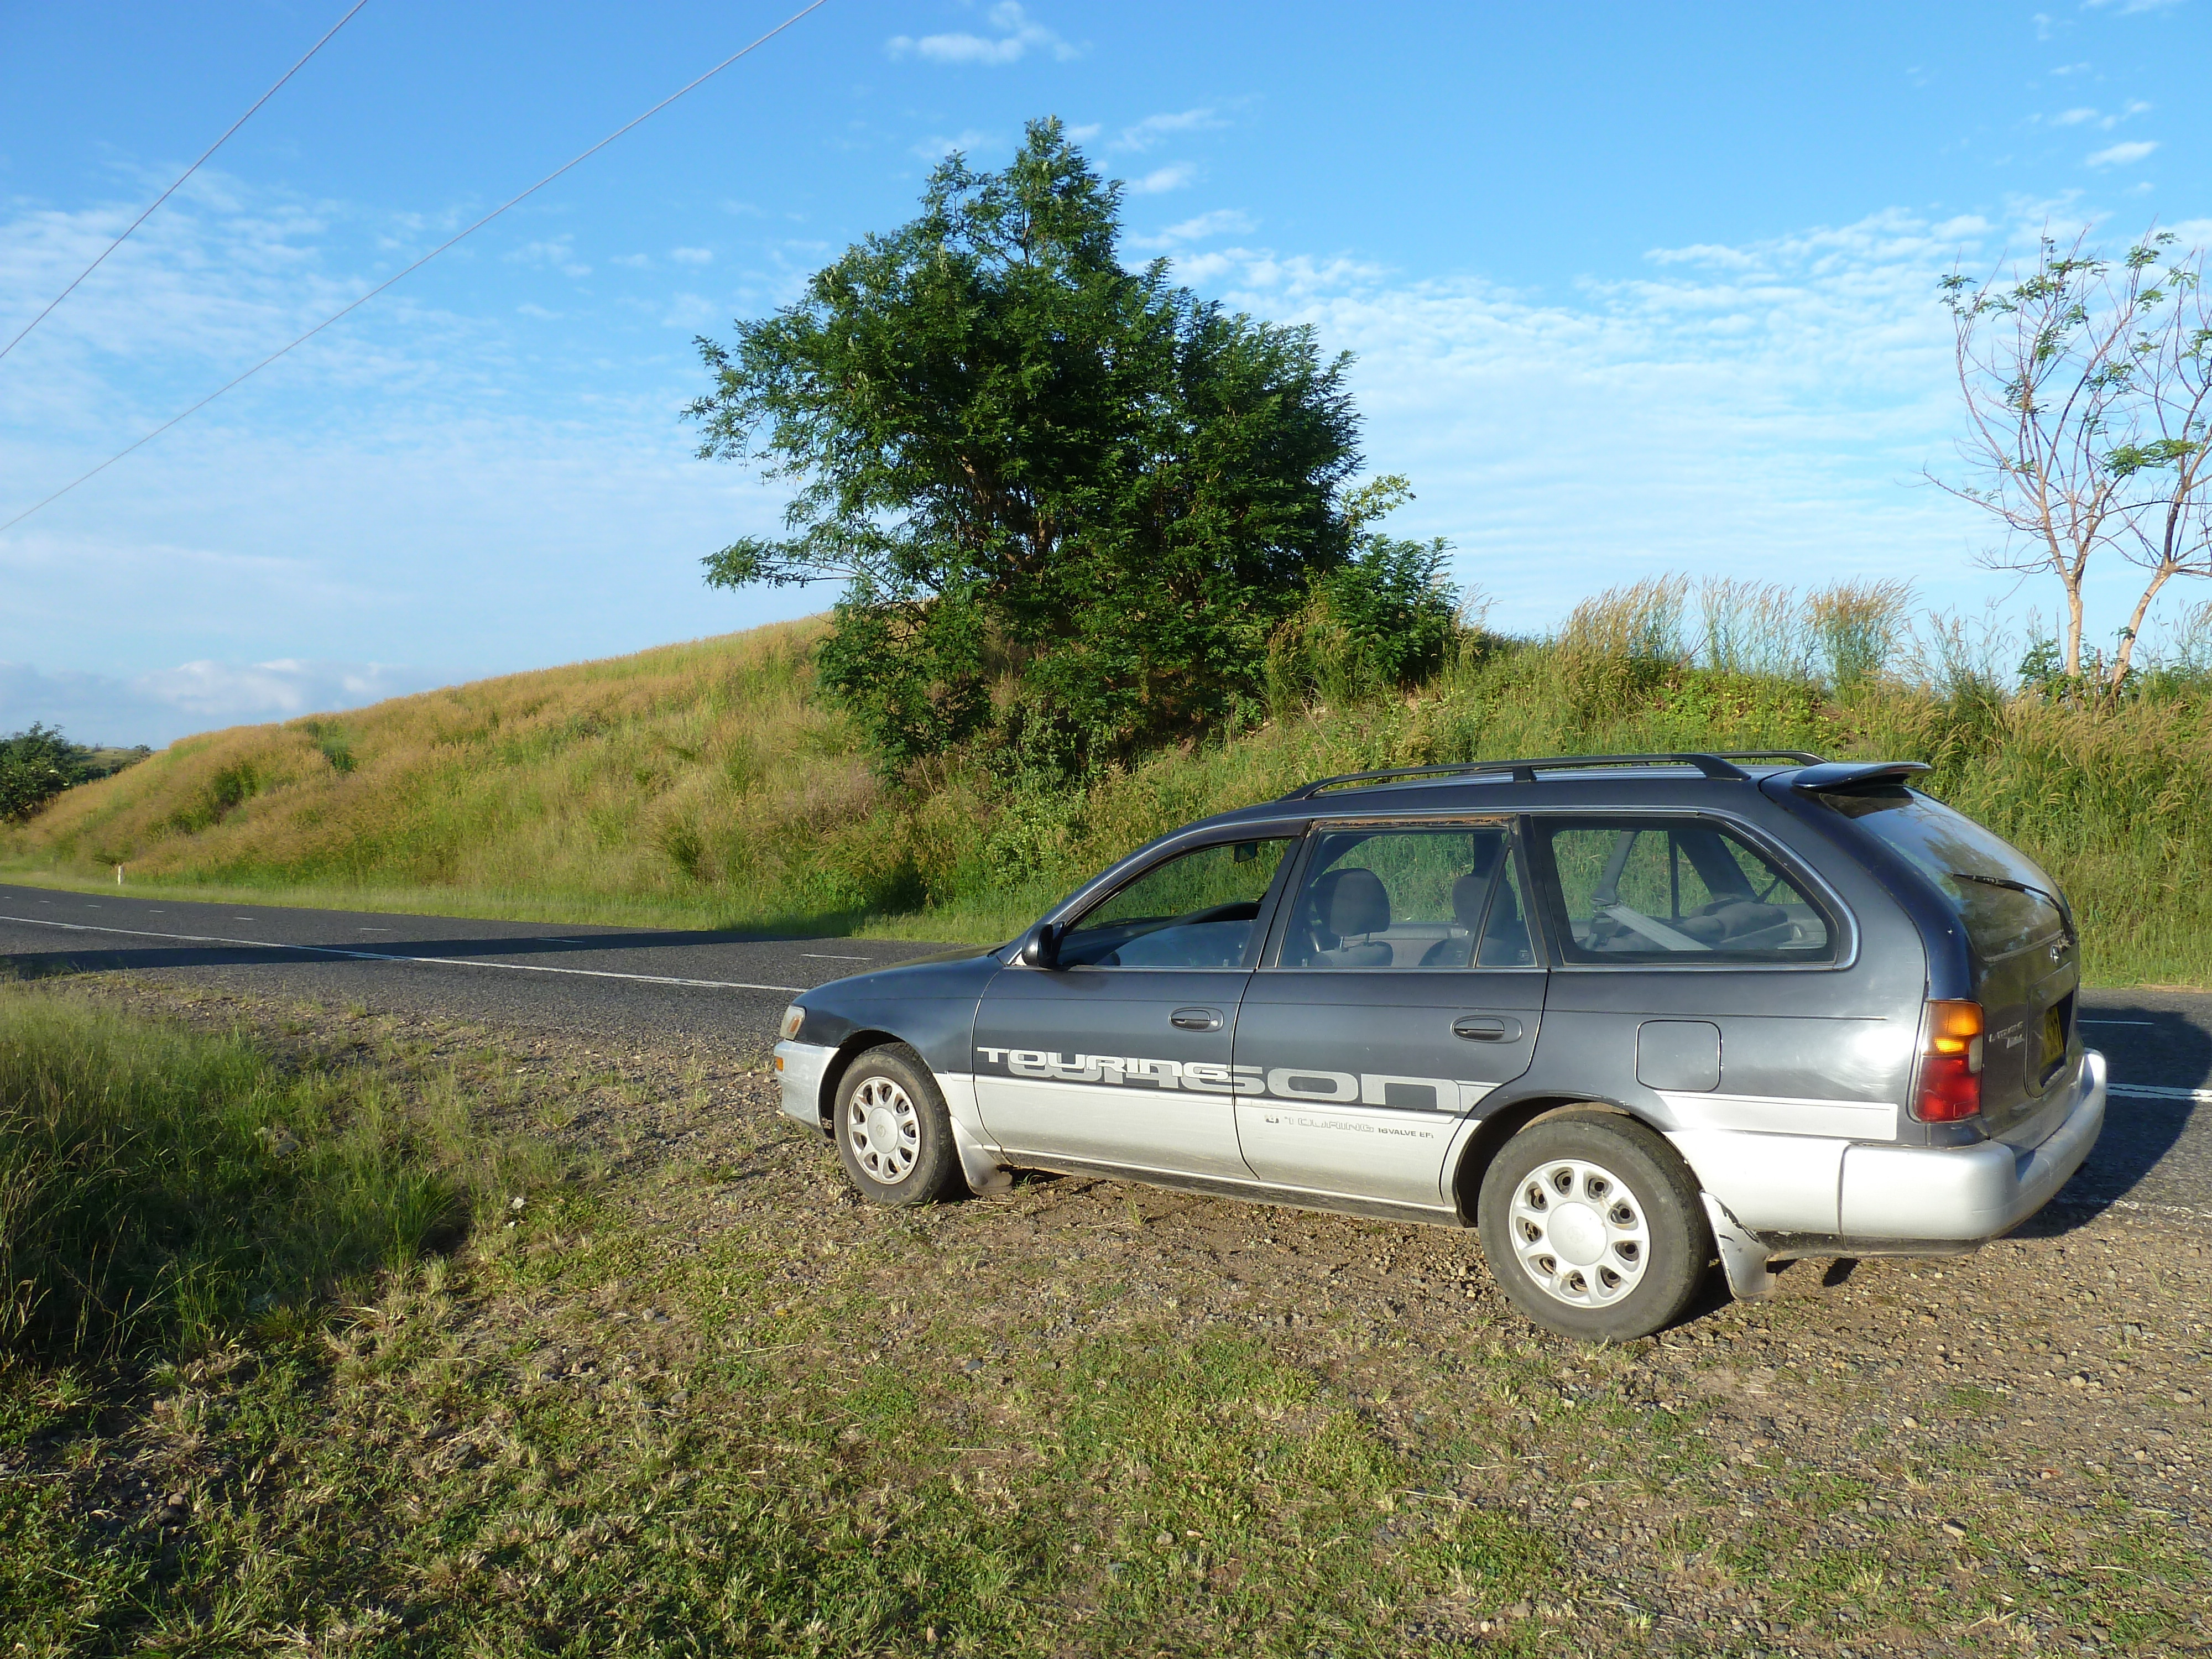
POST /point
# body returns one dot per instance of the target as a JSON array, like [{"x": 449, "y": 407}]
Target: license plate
[{"x": 2054, "y": 1035}]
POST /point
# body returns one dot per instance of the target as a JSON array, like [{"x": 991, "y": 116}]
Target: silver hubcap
[
  {"x": 1579, "y": 1232},
  {"x": 884, "y": 1131}
]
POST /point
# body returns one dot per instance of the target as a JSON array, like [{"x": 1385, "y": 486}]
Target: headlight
[{"x": 793, "y": 1017}]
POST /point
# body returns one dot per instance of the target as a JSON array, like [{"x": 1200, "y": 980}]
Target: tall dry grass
[
  {"x": 695, "y": 778},
  {"x": 705, "y": 783}
]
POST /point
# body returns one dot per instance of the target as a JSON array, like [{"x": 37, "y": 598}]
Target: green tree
[
  {"x": 1033, "y": 468},
  {"x": 36, "y": 764}
]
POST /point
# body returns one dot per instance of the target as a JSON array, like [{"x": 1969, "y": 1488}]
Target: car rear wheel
[
  {"x": 1592, "y": 1226},
  {"x": 894, "y": 1134}
]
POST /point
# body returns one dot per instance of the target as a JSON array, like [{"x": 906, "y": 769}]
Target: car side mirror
[{"x": 1042, "y": 949}]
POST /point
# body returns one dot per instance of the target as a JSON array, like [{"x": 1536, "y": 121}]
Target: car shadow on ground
[{"x": 2140, "y": 1044}]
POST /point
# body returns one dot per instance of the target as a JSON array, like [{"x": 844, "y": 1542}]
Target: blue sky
[{"x": 1634, "y": 288}]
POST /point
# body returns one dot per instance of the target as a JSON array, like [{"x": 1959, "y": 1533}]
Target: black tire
[
  {"x": 893, "y": 1133},
  {"x": 1629, "y": 1263}
]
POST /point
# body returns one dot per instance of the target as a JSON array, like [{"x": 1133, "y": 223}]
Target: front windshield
[{"x": 1980, "y": 873}]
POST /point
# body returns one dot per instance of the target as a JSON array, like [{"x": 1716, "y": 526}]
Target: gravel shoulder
[{"x": 1182, "y": 1393}]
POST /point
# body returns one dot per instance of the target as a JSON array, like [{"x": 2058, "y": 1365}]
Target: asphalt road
[
  {"x": 612, "y": 981},
  {"x": 2155, "y": 1153}
]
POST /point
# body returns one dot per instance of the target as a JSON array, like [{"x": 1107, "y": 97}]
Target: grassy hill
[{"x": 705, "y": 784}]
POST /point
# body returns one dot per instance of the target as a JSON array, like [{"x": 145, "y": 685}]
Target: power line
[
  {"x": 357, "y": 304},
  {"x": 186, "y": 173}
]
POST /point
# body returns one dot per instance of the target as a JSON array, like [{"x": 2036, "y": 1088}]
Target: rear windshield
[{"x": 1983, "y": 876}]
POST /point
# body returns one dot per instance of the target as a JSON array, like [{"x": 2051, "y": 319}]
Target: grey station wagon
[{"x": 1627, "y": 1015}]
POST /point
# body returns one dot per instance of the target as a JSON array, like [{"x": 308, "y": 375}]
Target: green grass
[
  {"x": 615, "y": 1426},
  {"x": 270, "y": 1414},
  {"x": 706, "y": 785},
  {"x": 157, "y": 1186}
]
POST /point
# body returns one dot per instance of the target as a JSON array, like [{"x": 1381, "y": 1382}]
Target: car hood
[{"x": 945, "y": 973}]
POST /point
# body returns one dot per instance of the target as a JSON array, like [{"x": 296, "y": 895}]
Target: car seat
[
  {"x": 1346, "y": 909},
  {"x": 1457, "y": 951},
  {"x": 1730, "y": 917},
  {"x": 1505, "y": 945}
]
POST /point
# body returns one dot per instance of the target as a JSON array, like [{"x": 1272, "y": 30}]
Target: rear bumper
[
  {"x": 1965, "y": 1195},
  {"x": 800, "y": 1066}
]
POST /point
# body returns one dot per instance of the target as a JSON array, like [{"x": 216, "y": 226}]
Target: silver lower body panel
[
  {"x": 1816, "y": 1195},
  {"x": 1251, "y": 1192},
  {"x": 800, "y": 1067},
  {"x": 1970, "y": 1193}
]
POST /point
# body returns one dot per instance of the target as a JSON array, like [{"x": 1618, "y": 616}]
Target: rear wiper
[{"x": 2005, "y": 881}]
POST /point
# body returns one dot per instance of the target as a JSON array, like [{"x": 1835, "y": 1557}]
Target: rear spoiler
[{"x": 1852, "y": 777}]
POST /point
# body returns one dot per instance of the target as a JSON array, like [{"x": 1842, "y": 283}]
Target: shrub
[{"x": 1387, "y": 621}]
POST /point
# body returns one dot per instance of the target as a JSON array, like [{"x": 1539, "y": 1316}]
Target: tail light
[{"x": 1951, "y": 1069}]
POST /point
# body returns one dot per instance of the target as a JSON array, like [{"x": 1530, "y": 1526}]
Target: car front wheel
[
  {"x": 894, "y": 1133},
  {"x": 1592, "y": 1227}
]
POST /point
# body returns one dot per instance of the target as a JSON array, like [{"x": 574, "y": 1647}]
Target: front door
[
  {"x": 1120, "y": 1054},
  {"x": 1404, "y": 988}
]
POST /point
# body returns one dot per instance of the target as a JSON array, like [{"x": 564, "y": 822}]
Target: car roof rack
[{"x": 1524, "y": 771}]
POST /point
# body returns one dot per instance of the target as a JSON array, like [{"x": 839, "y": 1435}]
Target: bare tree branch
[{"x": 2053, "y": 371}]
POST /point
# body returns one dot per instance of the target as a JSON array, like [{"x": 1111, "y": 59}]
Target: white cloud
[
  {"x": 1018, "y": 36},
  {"x": 635, "y": 261},
  {"x": 937, "y": 147},
  {"x": 422, "y": 488},
  {"x": 2120, "y": 156},
  {"x": 2074, "y": 118},
  {"x": 1222, "y": 221},
  {"x": 1085, "y": 134},
  {"x": 1154, "y": 128},
  {"x": 1748, "y": 409},
  {"x": 692, "y": 255},
  {"x": 1702, "y": 253},
  {"x": 279, "y": 690},
  {"x": 483, "y": 493},
  {"x": 2125, "y": 7},
  {"x": 558, "y": 251},
  {"x": 160, "y": 707},
  {"x": 1160, "y": 179}
]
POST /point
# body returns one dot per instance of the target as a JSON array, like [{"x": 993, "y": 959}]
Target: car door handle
[
  {"x": 1195, "y": 1019},
  {"x": 1486, "y": 1028}
]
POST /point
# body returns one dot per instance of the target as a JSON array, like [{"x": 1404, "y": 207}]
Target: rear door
[
  {"x": 2027, "y": 960},
  {"x": 1401, "y": 988}
]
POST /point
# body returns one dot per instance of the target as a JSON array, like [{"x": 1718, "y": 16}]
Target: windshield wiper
[{"x": 2006, "y": 881}]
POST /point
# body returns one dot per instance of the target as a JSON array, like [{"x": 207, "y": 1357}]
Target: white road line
[
  {"x": 428, "y": 962},
  {"x": 2145, "y": 1092},
  {"x": 815, "y": 955},
  {"x": 2117, "y": 1022}
]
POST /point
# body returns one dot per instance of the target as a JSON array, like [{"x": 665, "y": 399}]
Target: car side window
[
  {"x": 1196, "y": 910},
  {"x": 1674, "y": 891},
  {"x": 1416, "y": 897}
]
